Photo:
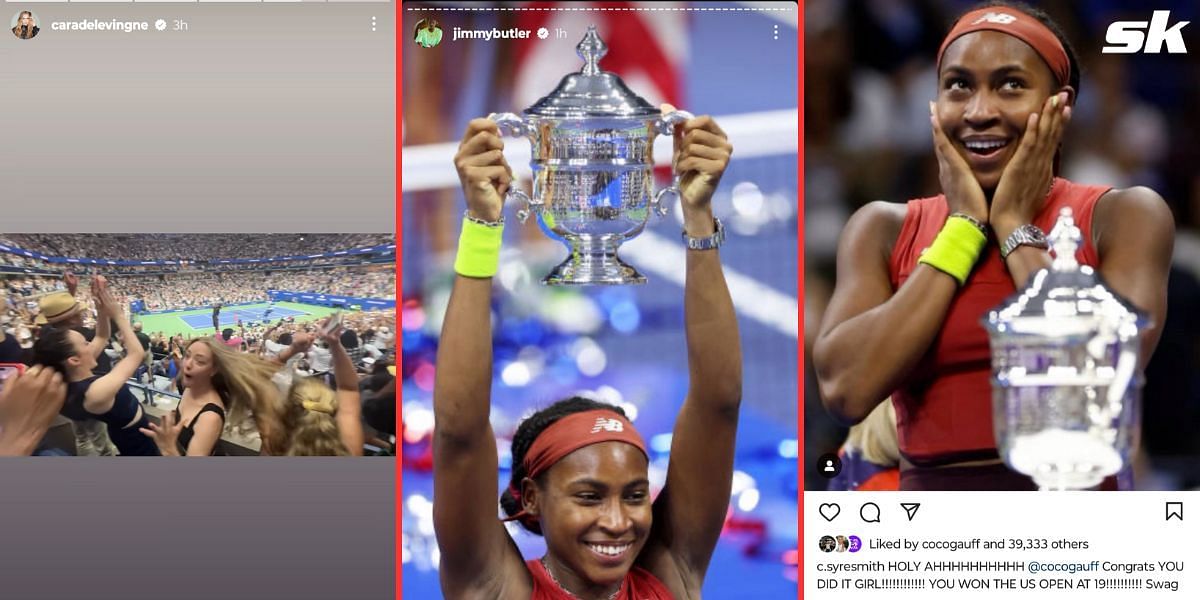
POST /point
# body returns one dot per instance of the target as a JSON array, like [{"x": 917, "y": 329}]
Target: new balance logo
[
  {"x": 1127, "y": 37},
  {"x": 999, "y": 18},
  {"x": 603, "y": 424}
]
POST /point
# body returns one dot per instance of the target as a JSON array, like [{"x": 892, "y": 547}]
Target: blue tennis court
[{"x": 247, "y": 314}]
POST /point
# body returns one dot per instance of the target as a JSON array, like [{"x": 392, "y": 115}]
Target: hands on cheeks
[
  {"x": 1027, "y": 178},
  {"x": 962, "y": 189}
]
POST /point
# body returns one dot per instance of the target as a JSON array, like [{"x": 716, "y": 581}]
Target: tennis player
[
  {"x": 579, "y": 466},
  {"x": 914, "y": 281}
]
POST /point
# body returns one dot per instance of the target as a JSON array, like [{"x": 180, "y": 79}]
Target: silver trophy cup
[
  {"x": 1065, "y": 378},
  {"x": 593, "y": 185}
]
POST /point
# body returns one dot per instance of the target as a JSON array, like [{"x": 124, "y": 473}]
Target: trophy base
[
  {"x": 1057, "y": 459},
  {"x": 594, "y": 264}
]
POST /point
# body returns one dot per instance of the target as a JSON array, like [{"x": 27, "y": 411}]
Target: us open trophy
[
  {"x": 1066, "y": 387},
  {"x": 593, "y": 185}
]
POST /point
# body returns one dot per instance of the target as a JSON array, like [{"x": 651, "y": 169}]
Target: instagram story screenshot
[
  {"x": 198, "y": 259},
  {"x": 1001, "y": 234},
  {"x": 599, "y": 299}
]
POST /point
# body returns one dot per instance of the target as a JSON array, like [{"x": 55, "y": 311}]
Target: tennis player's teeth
[
  {"x": 985, "y": 146},
  {"x": 609, "y": 550}
]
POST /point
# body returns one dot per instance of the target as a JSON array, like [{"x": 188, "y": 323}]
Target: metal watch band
[
  {"x": 478, "y": 221},
  {"x": 1025, "y": 235},
  {"x": 707, "y": 243}
]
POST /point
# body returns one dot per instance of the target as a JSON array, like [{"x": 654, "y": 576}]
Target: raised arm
[
  {"x": 103, "y": 391},
  {"x": 103, "y": 324},
  {"x": 349, "y": 411},
  {"x": 690, "y": 511},
  {"x": 478, "y": 558}
]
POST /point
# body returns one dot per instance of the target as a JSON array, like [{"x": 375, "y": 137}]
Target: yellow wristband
[
  {"x": 955, "y": 249},
  {"x": 478, "y": 249}
]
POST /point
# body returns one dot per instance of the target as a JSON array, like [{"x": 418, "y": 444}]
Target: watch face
[{"x": 1034, "y": 234}]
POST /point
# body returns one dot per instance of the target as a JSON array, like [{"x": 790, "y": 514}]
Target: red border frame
[
  {"x": 399, "y": 525},
  {"x": 801, "y": 458}
]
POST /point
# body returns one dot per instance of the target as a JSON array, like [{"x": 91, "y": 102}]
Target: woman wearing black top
[
  {"x": 102, "y": 398},
  {"x": 195, "y": 426}
]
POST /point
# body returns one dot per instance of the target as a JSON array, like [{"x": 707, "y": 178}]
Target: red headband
[
  {"x": 1019, "y": 25},
  {"x": 571, "y": 433}
]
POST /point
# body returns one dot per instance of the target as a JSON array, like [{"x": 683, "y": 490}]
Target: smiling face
[
  {"x": 988, "y": 85},
  {"x": 595, "y": 514}
]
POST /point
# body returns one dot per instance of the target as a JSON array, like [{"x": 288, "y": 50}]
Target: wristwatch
[
  {"x": 1025, "y": 235},
  {"x": 707, "y": 243}
]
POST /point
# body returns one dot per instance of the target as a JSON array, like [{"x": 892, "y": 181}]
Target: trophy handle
[
  {"x": 512, "y": 124},
  {"x": 666, "y": 126}
]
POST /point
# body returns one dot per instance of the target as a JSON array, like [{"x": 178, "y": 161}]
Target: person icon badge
[{"x": 829, "y": 465}]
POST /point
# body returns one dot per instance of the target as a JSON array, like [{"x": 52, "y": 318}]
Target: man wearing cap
[{"x": 62, "y": 310}]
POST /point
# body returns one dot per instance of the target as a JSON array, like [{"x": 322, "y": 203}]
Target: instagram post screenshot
[
  {"x": 198, "y": 259},
  {"x": 1001, "y": 282},
  {"x": 599, "y": 300}
]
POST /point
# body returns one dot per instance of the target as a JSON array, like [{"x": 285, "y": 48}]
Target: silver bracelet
[
  {"x": 972, "y": 220},
  {"x": 467, "y": 216},
  {"x": 710, "y": 242}
]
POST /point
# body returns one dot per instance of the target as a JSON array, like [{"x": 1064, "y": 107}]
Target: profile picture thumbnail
[
  {"x": 25, "y": 25},
  {"x": 827, "y": 543},
  {"x": 428, "y": 33}
]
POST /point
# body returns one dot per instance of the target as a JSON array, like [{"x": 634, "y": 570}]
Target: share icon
[{"x": 910, "y": 508}]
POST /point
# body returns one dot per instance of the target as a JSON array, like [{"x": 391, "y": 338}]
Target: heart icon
[{"x": 830, "y": 511}]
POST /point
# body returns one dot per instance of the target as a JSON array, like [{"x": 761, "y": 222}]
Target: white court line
[{"x": 665, "y": 258}]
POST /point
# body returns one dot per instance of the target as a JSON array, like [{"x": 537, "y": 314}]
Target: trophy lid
[
  {"x": 592, "y": 92},
  {"x": 1067, "y": 299}
]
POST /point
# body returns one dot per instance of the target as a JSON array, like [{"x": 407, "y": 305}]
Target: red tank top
[
  {"x": 944, "y": 408},
  {"x": 639, "y": 584}
]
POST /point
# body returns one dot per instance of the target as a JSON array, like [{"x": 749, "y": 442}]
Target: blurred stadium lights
[
  {"x": 659, "y": 256},
  {"x": 610, "y": 395},
  {"x": 748, "y": 500},
  {"x": 589, "y": 357},
  {"x": 625, "y": 316},
  {"x": 516, "y": 374},
  {"x": 418, "y": 421},
  {"x": 424, "y": 376},
  {"x": 742, "y": 481}
]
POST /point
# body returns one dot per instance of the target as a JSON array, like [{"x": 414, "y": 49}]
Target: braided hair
[{"x": 527, "y": 432}]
